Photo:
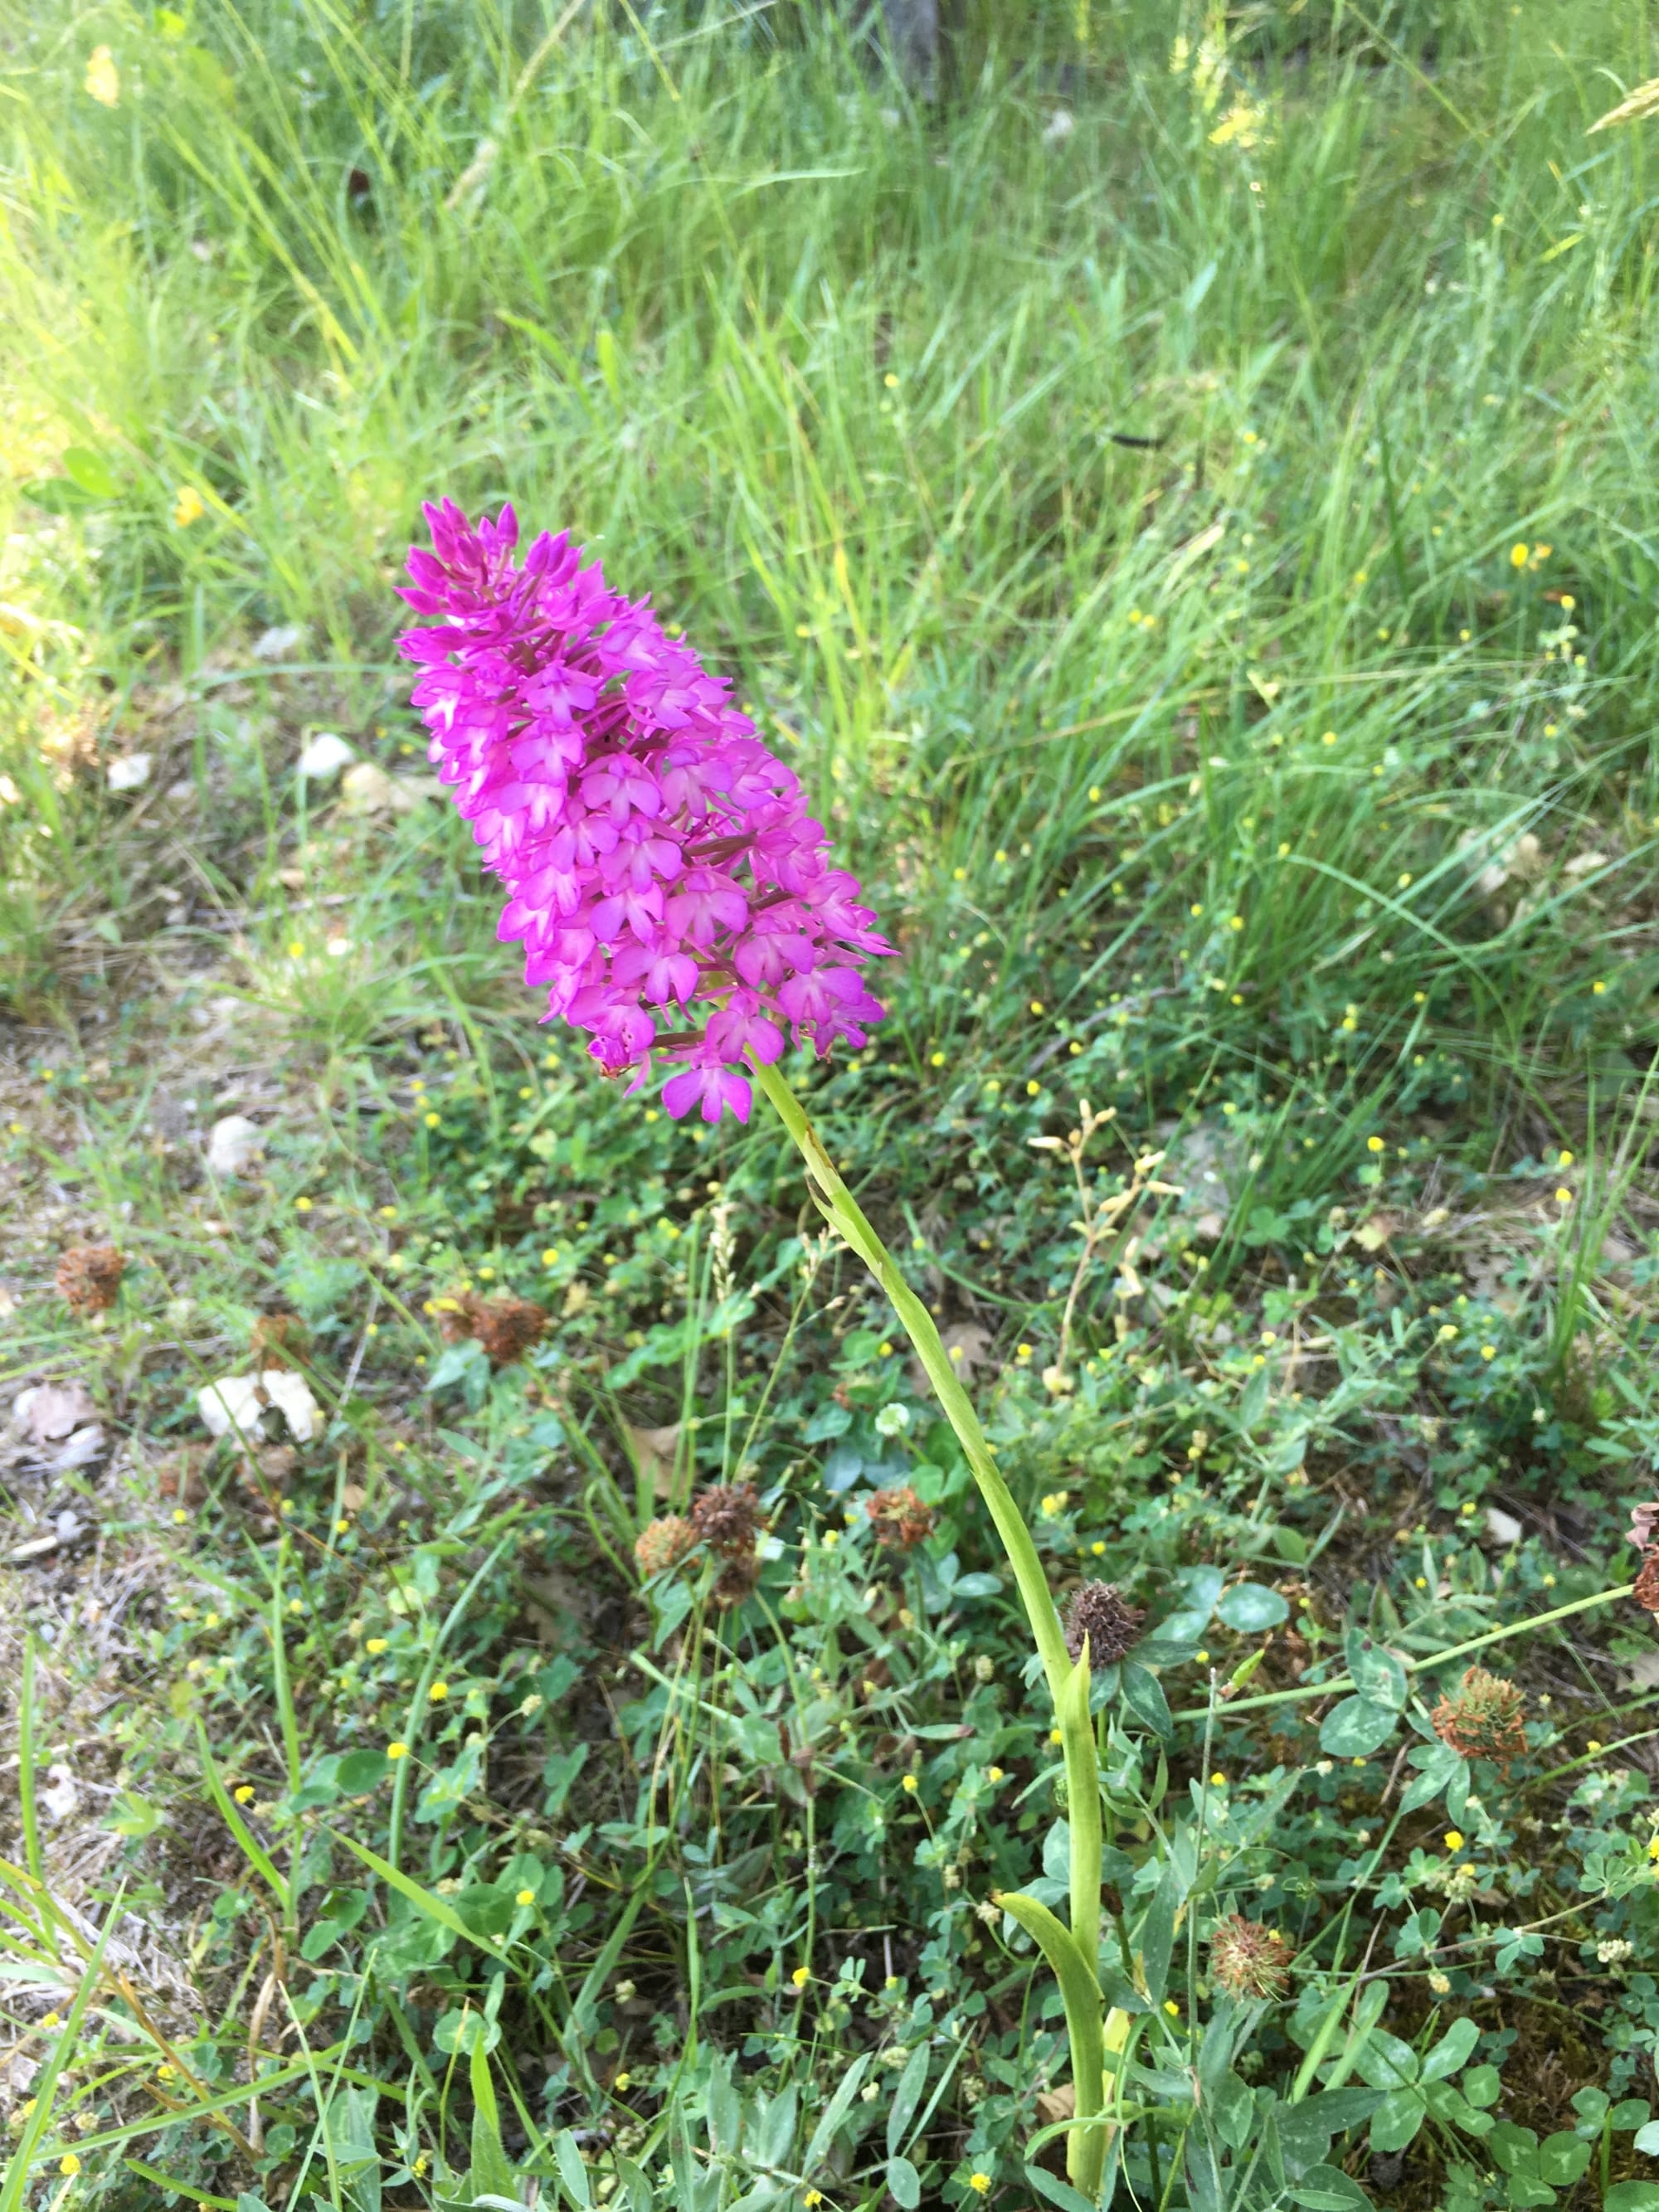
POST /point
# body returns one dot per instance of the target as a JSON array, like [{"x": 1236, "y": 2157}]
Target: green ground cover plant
[{"x": 512, "y": 1695}]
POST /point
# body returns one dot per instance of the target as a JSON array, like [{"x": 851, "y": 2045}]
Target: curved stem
[
  {"x": 1068, "y": 1683},
  {"x": 841, "y": 1209}
]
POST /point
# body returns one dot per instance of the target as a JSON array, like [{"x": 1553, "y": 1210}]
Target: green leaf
[
  {"x": 91, "y": 471},
  {"x": 572, "y": 2172},
  {"x": 835, "y": 2113},
  {"x": 904, "y": 2183},
  {"x": 1647, "y": 2139},
  {"x": 1511, "y": 2147},
  {"x": 1632, "y": 2196},
  {"x": 1144, "y": 1695},
  {"x": 359, "y": 1771},
  {"x": 1396, "y": 2120},
  {"x": 1328, "y": 2189},
  {"x": 1440, "y": 1767},
  {"x": 1252, "y": 1608},
  {"x": 491, "y": 2168},
  {"x": 1377, "y": 1675},
  {"x": 906, "y": 2097},
  {"x": 465, "y": 2031},
  {"x": 1356, "y": 1727},
  {"x": 430, "y": 1907},
  {"x": 1562, "y": 2158},
  {"x": 1232, "y": 2109},
  {"x": 1450, "y": 2053},
  {"x": 1057, "y": 2192},
  {"x": 1481, "y": 2085}
]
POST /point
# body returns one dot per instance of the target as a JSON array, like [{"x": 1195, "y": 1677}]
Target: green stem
[
  {"x": 1415, "y": 1666},
  {"x": 841, "y": 1209},
  {"x": 1068, "y": 1683}
]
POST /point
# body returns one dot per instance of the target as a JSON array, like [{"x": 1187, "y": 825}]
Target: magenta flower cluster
[{"x": 659, "y": 860}]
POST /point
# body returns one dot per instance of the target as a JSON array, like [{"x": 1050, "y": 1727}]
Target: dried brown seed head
[
  {"x": 506, "y": 1328},
  {"x": 278, "y": 1339},
  {"x": 1646, "y": 1592},
  {"x": 88, "y": 1277},
  {"x": 1111, "y": 1628},
  {"x": 899, "y": 1517},
  {"x": 1484, "y": 1719},
  {"x": 1249, "y": 1960},
  {"x": 726, "y": 1518},
  {"x": 663, "y": 1543}
]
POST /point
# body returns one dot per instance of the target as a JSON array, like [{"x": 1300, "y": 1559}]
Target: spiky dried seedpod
[
  {"x": 506, "y": 1328},
  {"x": 1098, "y": 1613},
  {"x": 1249, "y": 1960},
  {"x": 726, "y": 1518},
  {"x": 89, "y": 1276},
  {"x": 278, "y": 1339},
  {"x": 899, "y": 1517},
  {"x": 736, "y": 1579},
  {"x": 663, "y": 1543},
  {"x": 1484, "y": 1719}
]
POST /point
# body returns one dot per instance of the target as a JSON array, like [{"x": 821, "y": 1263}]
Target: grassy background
[{"x": 1285, "y": 781}]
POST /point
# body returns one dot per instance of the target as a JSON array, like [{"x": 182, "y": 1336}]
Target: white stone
[
  {"x": 233, "y": 1142},
  {"x": 324, "y": 756},
  {"x": 129, "y": 773}
]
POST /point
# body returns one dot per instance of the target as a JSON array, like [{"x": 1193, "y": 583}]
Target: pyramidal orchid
[
  {"x": 672, "y": 891},
  {"x": 676, "y": 901}
]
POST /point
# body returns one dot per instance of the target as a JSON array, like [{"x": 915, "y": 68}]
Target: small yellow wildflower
[
  {"x": 1329, "y": 738},
  {"x": 103, "y": 79},
  {"x": 1055, "y": 1736},
  {"x": 52, "y": 2019},
  {"x": 995, "y": 1774},
  {"x": 1194, "y": 910},
  {"x": 1519, "y": 556},
  {"x": 430, "y": 1121},
  {"x": 980, "y": 2184},
  {"x": 243, "y": 1793},
  {"x": 622, "y": 2082},
  {"x": 1218, "y": 1780},
  {"x": 69, "y": 2164},
  {"x": 1032, "y": 1088},
  {"x": 801, "y": 1976},
  {"x": 397, "y": 1750},
  {"x": 1564, "y": 1196},
  {"x": 189, "y": 506},
  {"x": 1593, "y": 1746},
  {"x": 1598, "y": 989},
  {"x": 1373, "y": 1143},
  {"x": 375, "y": 1645},
  {"x": 524, "y": 1897},
  {"x": 1172, "y": 2008},
  {"x": 1454, "y": 1839},
  {"x": 936, "y": 1060},
  {"x": 438, "y": 1692},
  {"x": 910, "y": 1785},
  {"x": 1489, "y": 1352},
  {"x": 302, "y": 1206}
]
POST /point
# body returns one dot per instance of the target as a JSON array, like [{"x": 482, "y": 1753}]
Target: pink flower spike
[{"x": 655, "y": 853}]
